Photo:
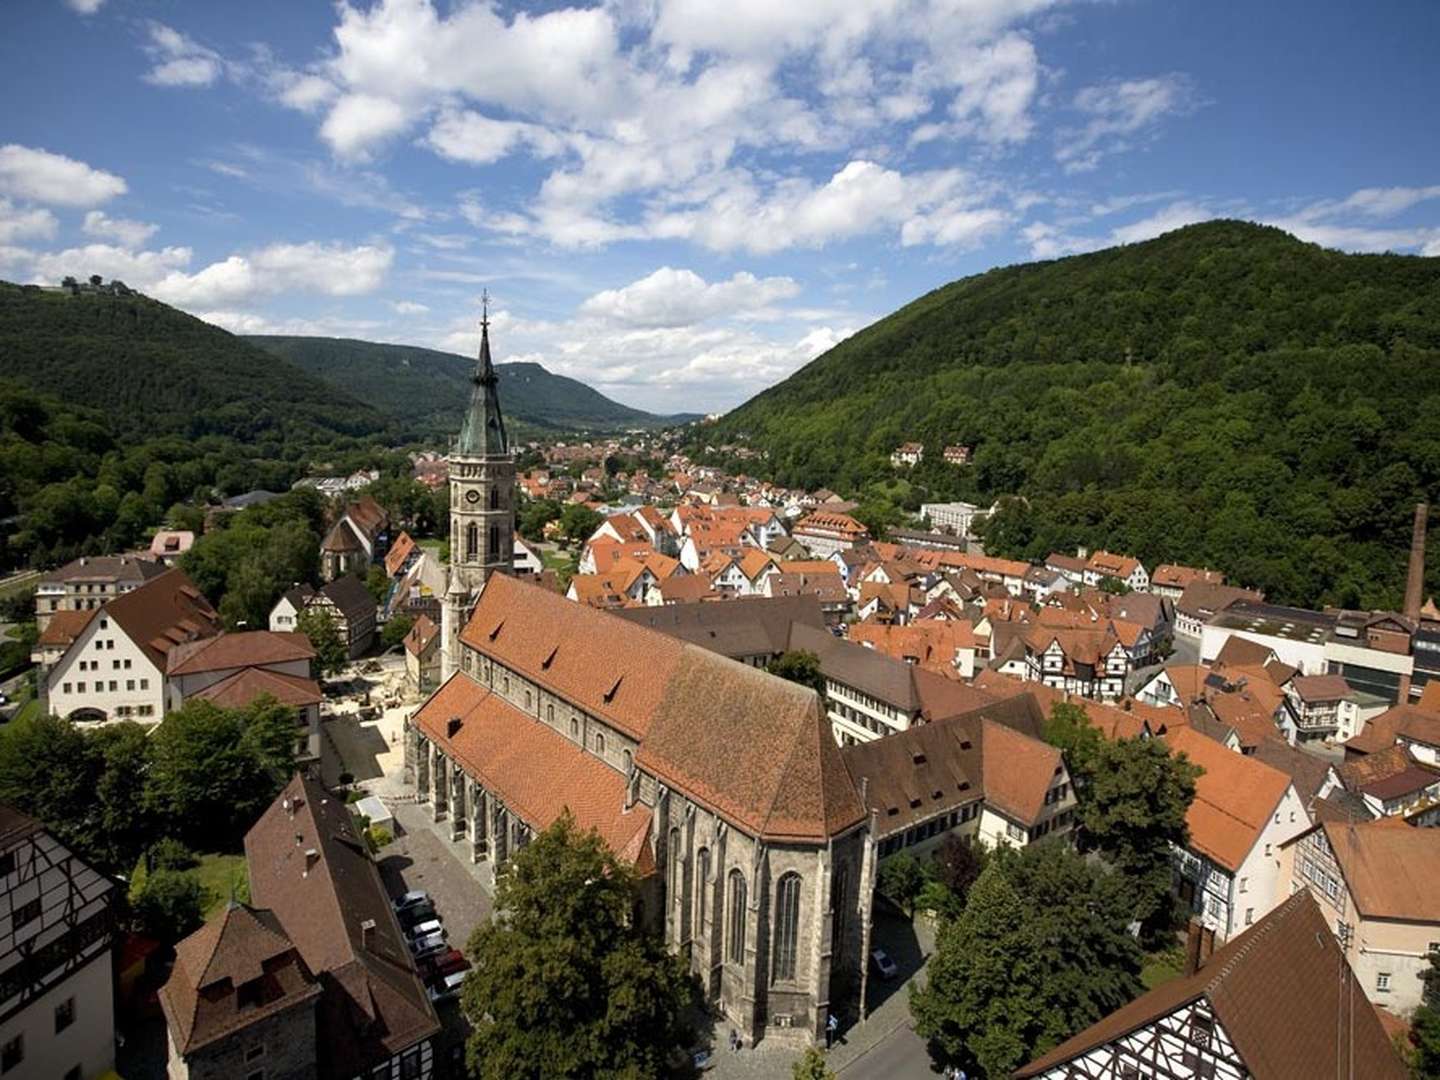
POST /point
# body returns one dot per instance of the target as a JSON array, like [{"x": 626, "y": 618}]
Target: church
[{"x": 720, "y": 784}]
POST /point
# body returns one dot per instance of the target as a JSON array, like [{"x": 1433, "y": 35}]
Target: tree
[
  {"x": 378, "y": 584},
  {"x": 330, "y": 652},
  {"x": 169, "y": 904},
  {"x": 1040, "y": 951},
  {"x": 49, "y": 770},
  {"x": 1425, "y": 1024},
  {"x": 212, "y": 770},
  {"x": 1069, "y": 730},
  {"x": 565, "y": 983},
  {"x": 799, "y": 666},
  {"x": 578, "y": 522},
  {"x": 978, "y": 1007},
  {"x": 900, "y": 880},
  {"x": 395, "y": 630},
  {"x": 956, "y": 865},
  {"x": 535, "y": 514},
  {"x": 124, "y": 825},
  {"x": 811, "y": 1066},
  {"x": 1133, "y": 809}
]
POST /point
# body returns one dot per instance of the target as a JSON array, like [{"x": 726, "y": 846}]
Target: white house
[{"x": 1230, "y": 872}]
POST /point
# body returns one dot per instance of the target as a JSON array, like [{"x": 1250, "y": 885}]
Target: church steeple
[{"x": 482, "y": 432}]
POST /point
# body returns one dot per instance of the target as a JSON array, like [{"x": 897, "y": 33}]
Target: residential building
[
  {"x": 422, "y": 655},
  {"x": 232, "y": 671},
  {"x": 1201, "y": 601},
  {"x": 1229, "y": 871},
  {"x": 1090, "y": 661},
  {"x": 907, "y": 455},
  {"x": 1238, "y": 1015},
  {"x": 285, "y": 615},
  {"x": 1316, "y": 701},
  {"x": 1375, "y": 884},
  {"x": 57, "y": 922},
  {"x": 167, "y": 545},
  {"x": 940, "y": 645},
  {"x": 351, "y": 609},
  {"x": 1105, "y": 566},
  {"x": 919, "y": 538},
  {"x": 970, "y": 776},
  {"x": 957, "y": 455},
  {"x": 1394, "y": 782},
  {"x": 718, "y": 782},
  {"x": 359, "y": 537},
  {"x": 824, "y": 532},
  {"x": 951, "y": 517},
  {"x": 313, "y": 978},
  {"x": 89, "y": 583},
  {"x": 1170, "y": 580},
  {"x": 112, "y": 666}
]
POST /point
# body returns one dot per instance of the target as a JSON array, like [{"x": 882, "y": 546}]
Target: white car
[
  {"x": 427, "y": 929},
  {"x": 448, "y": 988},
  {"x": 428, "y": 945},
  {"x": 411, "y": 899},
  {"x": 883, "y": 965}
]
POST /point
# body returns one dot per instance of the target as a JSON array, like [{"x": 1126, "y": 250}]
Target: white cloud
[
  {"x": 25, "y": 223},
  {"x": 466, "y": 135},
  {"x": 1372, "y": 202},
  {"x": 85, "y": 7},
  {"x": 1117, "y": 112},
  {"x": 671, "y": 297},
  {"x": 139, "y": 269},
  {"x": 359, "y": 121},
  {"x": 1174, "y": 216},
  {"x": 180, "y": 60},
  {"x": 1361, "y": 237},
  {"x": 28, "y": 173},
  {"x": 130, "y": 234},
  {"x": 409, "y": 307},
  {"x": 325, "y": 269}
]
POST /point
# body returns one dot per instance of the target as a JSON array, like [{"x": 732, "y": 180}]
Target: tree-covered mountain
[
  {"x": 428, "y": 389},
  {"x": 154, "y": 370},
  {"x": 1222, "y": 395}
]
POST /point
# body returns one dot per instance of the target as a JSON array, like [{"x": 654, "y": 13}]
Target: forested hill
[
  {"x": 153, "y": 370},
  {"x": 428, "y": 388},
  {"x": 1224, "y": 395}
]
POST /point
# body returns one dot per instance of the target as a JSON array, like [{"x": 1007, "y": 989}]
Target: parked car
[
  {"x": 429, "y": 928},
  {"x": 447, "y": 988},
  {"x": 447, "y": 963},
  {"x": 412, "y": 899},
  {"x": 882, "y": 965},
  {"x": 413, "y": 916},
  {"x": 430, "y": 945}
]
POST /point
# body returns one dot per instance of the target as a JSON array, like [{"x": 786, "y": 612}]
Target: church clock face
[{"x": 472, "y": 496}]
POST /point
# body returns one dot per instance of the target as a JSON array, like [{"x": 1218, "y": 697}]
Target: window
[
  {"x": 494, "y": 543},
  {"x": 129, "y": 684},
  {"x": 1267, "y": 849},
  {"x": 787, "y": 926},
  {"x": 528, "y": 701},
  {"x": 550, "y": 714},
  {"x": 839, "y": 905},
  {"x": 1243, "y": 883},
  {"x": 12, "y": 1053},
  {"x": 1249, "y": 915},
  {"x": 628, "y": 760},
  {"x": 702, "y": 880},
  {"x": 574, "y": 727},
  {"x": 113, "y": 685},
  {"x": 7, "y": 866},
  {"x": 735, "y": 949},
  {"x": 27, "y": 912},
  {"x": 472, "y": 541},
  {"x": 1014, "y": 831},
  {"x": 144, "y": 684},
  {"x": 494, "y": 498},
  {"x": 110, "y": 643},
  {"x": 599, "y": 742},
  {"x": 114, "y": 665},
  {"x": 127, "y": 662},
  {"x": 1382, "y": 982},
  {"x": 64, "y": 1014},
  {"x": 255, "y": 1053},
  {"x": 677, "y": 869},
  {"x": 65, "y": 688}
]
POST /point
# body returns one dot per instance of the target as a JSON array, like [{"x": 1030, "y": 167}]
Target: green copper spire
[{"x": 483, "y": 430}]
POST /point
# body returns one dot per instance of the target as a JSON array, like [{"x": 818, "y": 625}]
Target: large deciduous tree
[
  {"x": 799, "y": 666},
  {"x": 564, "y": 981},
  {"x": 330, "y": 652}
]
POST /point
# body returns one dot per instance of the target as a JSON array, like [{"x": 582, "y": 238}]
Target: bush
[
  {"x": 169, "y": 905},
  {"x": 378, "y": 836},
  {"x": 170, "y": 854}
]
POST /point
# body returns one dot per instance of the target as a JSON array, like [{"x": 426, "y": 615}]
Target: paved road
[{"x": 901, "y": 1055}]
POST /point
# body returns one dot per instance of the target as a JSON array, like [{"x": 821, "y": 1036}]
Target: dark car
[
  {"x": 434, "y": 968},
  {"x": 414, "y": 916}
]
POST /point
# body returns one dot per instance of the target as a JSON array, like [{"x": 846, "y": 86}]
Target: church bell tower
[{"x": 482, "y": 501}]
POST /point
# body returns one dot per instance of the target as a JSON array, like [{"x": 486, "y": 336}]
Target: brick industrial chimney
[{"x": 1415, "y": 583}]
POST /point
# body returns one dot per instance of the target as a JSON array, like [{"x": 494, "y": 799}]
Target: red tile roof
[
  {"x": 247, "y": 648},
  {"x": 246, "y": 685},
  {"x": 538, "y": 772},
  {"x": 399, "y": 551},
  {"x": 164, "y": 612},
  {"x": 64, "y": 627}
]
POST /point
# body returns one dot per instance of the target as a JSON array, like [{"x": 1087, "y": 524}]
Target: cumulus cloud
[
  {"x": 85, "y": 7},
  {"x": 324, "y": 269},
  {"x": 469, "y": 136},
  {"x": 43, "y": 177},
  {"x": 25, "y": 223},
  {"x": 1118, "y": 112},
  {"x": 127, "y": 233},
  {"x": 140, "y": 269},
  {"x": 180, "y": 60},
  {"x": 671, "y": 297},
  {"x": 357, "y": 122},
  {"x": 409, "y": 307}
]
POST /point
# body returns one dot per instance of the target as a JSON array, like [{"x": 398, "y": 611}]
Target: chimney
[
  {"x": 367, "y": 931},
  {"x": 311, "y": 858},
  {"x": 1415, "y": 583},
  {"x": 1192, "y": 946}
]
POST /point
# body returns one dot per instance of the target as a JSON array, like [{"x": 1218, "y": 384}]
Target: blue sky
[{"x": 681, "y": 202}]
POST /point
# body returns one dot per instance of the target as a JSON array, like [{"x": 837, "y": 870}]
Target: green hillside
[
  {"x": 1223, "y": 395},
  {"x": 155, "y": 370},
  {"x": 427, "y": 389}
]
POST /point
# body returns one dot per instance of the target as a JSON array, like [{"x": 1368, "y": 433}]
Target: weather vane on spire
[{"x": 485, "y": 307}]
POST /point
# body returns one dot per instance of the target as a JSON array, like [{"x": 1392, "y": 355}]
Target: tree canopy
[
  {"x": 799, "y": 666},
  {"x": 565, "y": 983}
]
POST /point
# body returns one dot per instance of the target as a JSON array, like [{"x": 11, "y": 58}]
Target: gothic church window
[
  {"x": 472, "y": 541},
  {"x": 787, "y": 926},
  {"x": 735, "y": 947}
]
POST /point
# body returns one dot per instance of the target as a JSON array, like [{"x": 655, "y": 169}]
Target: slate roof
[
  {"x": 106, "y": 568},
  {"x": 373, "y": 1005},
  {"x": 164, "y": 612},
  {"x": 349, "y": 594},
  {"x": 1253, "y": 985}
]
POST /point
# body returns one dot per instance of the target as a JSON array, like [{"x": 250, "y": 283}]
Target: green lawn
[
  {"x": 218, "y": 874},
  {"x": 1161, "y": 967}
]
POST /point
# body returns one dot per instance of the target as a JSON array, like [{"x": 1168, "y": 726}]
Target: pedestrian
[
  {"x": 734, "y": 1040},
  {"x": 831, "y": 1025}
]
